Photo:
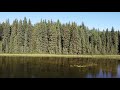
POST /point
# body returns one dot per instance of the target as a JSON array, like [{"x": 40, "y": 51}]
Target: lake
[{"x": 48, "y": 67}]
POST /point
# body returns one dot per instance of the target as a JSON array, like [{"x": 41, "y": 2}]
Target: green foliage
[
  {"x": 56, "y": 38},
  {"x": 6, "y": 37},
  {"x": 20, "y": 37}
]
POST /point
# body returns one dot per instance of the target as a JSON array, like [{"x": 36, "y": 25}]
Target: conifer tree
[
  {"x": 52, "y": 38},
  {"x": 13, "y": 38},
  {"x": 6, "y": 36},
  {"x": 56, "y": 38},
  {"x": 20, "y": 37}
]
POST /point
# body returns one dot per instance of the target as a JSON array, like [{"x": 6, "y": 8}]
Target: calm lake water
[{"x": 27, "y": 67}]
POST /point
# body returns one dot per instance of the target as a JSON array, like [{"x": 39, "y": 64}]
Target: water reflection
[{"x": 25, "y": 67}]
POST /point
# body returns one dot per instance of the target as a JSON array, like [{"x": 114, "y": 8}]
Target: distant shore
[{"x": 65, "y": 56}]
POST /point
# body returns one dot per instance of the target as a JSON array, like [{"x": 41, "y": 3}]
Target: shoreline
[{"x": 64, "y": 56}]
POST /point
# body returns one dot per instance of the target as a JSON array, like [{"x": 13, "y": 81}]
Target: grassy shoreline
[{"x": 65, "y": 56}]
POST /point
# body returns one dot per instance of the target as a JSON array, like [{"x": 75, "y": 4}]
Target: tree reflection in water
[{"x": 44, "y": 67}]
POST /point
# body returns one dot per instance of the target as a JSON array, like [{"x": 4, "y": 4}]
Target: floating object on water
[{"x": 90, "y": 65}]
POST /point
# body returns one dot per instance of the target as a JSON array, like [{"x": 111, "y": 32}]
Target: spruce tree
[
  {"x": 6, "y": 36},
  {"x": 20, "y": 37},
  {"x": 13, "y": 38}
]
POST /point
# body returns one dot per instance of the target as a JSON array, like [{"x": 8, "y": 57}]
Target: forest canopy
[{"x": 48, "y": 37}]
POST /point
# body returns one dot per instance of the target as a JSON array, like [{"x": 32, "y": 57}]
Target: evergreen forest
[{"x": 48, "y": 37}]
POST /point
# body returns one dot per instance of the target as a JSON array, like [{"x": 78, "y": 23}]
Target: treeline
[{"x": 48, "y": 37}]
